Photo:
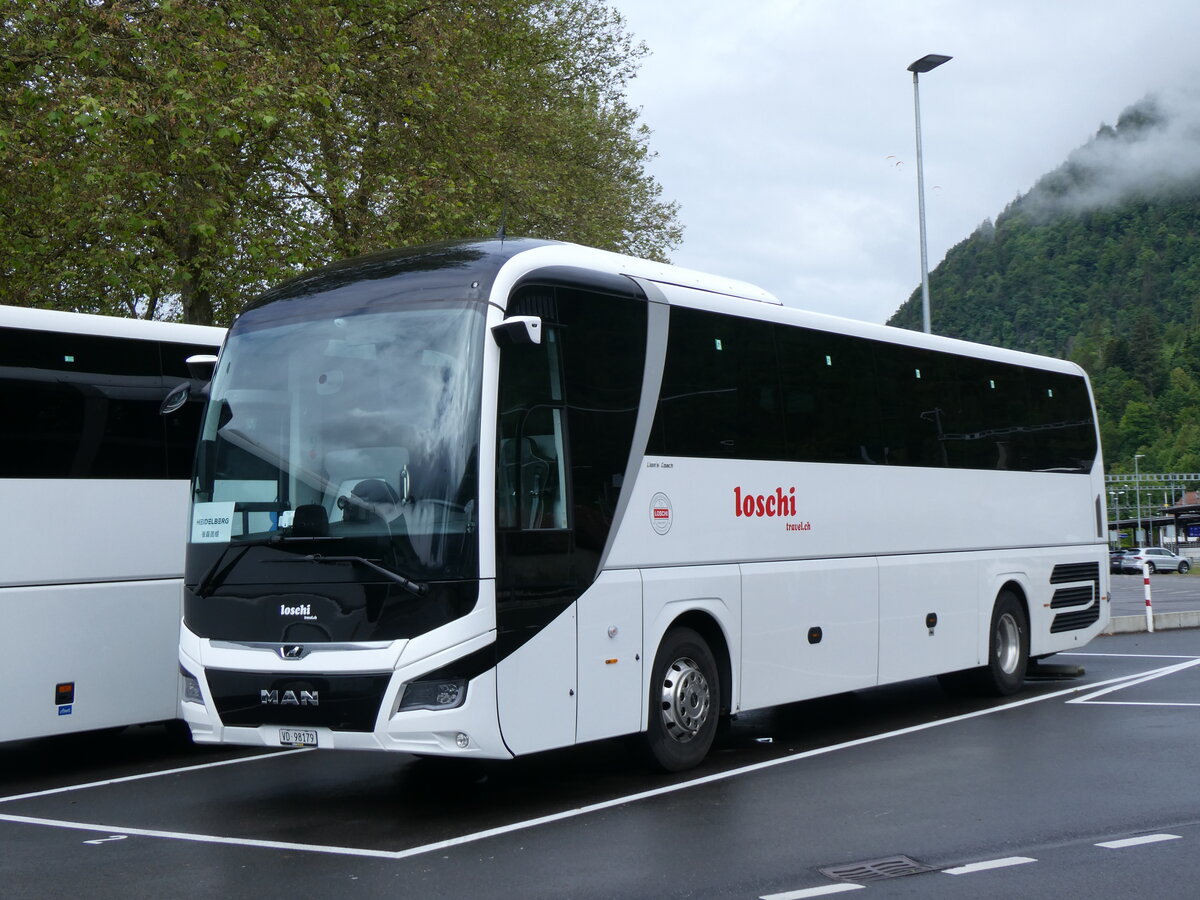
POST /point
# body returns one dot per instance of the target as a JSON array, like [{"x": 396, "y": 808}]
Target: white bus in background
[
  {"x": 93, "y": 509},
  {"x": 487, "y": 499}
]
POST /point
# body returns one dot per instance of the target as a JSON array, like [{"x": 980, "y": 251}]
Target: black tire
[
  {"x": 1008, "y": 654},
  {"x": 685, "y": 702},
  {"x": 1184, "y": 568},
  {"x": 1008, "y": 646},
  {"x": 1150, "y": 568}
]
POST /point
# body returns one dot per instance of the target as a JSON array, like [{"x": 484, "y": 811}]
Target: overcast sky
[{"x": 785, "y": 128}]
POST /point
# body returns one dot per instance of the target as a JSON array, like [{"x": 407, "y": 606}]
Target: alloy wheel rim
[
  {"x": 686, "y": 700},
  {"x": 1008, "y": 644}
]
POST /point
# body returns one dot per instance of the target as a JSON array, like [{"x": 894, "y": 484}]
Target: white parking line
[
  {"x": 814, "y": 892},
  {"x": 1138, "y": 841},
  {"x": 1132, "y": 655},
  {"x": 1132, "y": 703},
  {"x": 984, "y": 866},
  {"x": 553, "y": 817},
  {"x": 1091, "y": 699},
  {"x": 156, "y": 774},
  {"x": 116, "y": 830}
]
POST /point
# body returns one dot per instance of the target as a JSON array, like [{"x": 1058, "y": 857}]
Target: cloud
[
  {"x": 1153, "y": 151},
  {"x": 774, "y": 121}
]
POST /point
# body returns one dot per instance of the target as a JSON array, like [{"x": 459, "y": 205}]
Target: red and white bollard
[{"x": 1149, "y": 608}]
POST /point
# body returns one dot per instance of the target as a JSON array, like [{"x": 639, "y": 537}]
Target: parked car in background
[
  {"x": 1114, "y": 560},
  {"x": 1159, "y": 559}
]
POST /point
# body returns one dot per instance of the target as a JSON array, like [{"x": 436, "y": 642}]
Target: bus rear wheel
[
  {"x": 685, "y": 698},
  {"x": 1008, "y": 654}
]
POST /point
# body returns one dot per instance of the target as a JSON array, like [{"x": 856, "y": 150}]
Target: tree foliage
[
  {"x": 1114, "y": 286},
  {"x": 171, "y": 157}
]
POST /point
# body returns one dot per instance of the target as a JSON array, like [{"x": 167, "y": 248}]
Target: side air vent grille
[
  {"x": 1088, "y": 571},
  {"x": 1075, "y": 596},
  {"x": 1074, "y": 621},
  {"x": 1072, "y": 596}
]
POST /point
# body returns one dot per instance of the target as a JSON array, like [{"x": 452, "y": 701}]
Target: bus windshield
[{"x": 359, "y": 428}]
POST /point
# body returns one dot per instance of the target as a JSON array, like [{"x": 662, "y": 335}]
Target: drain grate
[{"x": 876, "y": 869}]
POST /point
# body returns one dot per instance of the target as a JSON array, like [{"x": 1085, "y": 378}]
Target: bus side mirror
[
  {"x": 201, "y": 366},
  {"x": 518, "y": 330},
  {"x": 175, "y": 400}
]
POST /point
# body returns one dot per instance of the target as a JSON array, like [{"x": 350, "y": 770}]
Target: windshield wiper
[
  {"x": 415, "y": 587},
  {"x": 210, "y": 574}
]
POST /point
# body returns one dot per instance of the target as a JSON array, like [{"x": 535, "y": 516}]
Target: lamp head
[{"x": 928, "y": 62}]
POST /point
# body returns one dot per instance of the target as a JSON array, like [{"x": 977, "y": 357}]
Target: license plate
[{"x": 295, "y": 737}]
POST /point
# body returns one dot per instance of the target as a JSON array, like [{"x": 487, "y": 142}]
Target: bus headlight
[
  {"x": 445, "y": 693},
  {"x": 191, "y": 687}
]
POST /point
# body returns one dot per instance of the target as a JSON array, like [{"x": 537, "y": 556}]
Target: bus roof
[
  {"x": 108, "y": 326},
  {"x": 490, "y": 268}
]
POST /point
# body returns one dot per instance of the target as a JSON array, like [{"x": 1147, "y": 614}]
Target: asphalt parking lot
[{"x": 947, "y": 781}]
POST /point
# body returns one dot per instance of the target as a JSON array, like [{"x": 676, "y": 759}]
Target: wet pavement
[{"x": 905, "y": 770}]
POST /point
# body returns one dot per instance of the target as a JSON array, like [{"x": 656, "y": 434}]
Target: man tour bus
[
  {"x": 489, "y": 498},
  {"x": 94, "y": 487}
]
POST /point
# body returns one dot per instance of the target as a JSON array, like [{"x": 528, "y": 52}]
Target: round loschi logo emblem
[{"x": 660, "y": 513}]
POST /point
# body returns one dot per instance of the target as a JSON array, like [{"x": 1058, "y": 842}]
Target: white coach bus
[
  {"x": 492, "y": 498},
  {"x": 94, "y": 494}
]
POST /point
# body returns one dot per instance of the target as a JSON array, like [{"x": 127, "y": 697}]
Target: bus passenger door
[
  {"x": 536, "y": 578},
  {"x": 570, "y": 634}
]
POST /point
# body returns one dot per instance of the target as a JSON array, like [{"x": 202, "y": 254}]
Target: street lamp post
[
  {"x": 924, "y": 64},
  {"x": 1137, "y": 484}
]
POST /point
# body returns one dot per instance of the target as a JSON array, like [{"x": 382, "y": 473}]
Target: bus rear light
[{"x": 441, "y": 694}]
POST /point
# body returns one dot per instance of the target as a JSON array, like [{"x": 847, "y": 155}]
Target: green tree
[{"x": 171, "y": 157}]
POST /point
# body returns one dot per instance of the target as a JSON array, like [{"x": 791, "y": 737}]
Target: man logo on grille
[{"x": 289, "y": 698}]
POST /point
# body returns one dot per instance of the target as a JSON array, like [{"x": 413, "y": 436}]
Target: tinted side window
[
  {"x": 604, "y": 352},
  {"x": 42, "y": 424},
  {"x": 738, "y": 388},
  {"x": 961, "y": 412},
  {"x": 990, "y": 433},
  {"x": 830, "y": 407},
  {"x": 182, "y": 429},
  {"x": 1060, "y": 417},
  {"x": 720, "y": 391},
  {"x": 86, "y": 406},
  {"x": 600, "y": 345},
  {"x": 582, "y": 385},
  {"x": 529, "y": 483},
  {"x": 919, "y": 402}
]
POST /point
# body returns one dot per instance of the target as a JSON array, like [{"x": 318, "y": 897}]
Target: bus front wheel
[{"x": 685, "y": 699}]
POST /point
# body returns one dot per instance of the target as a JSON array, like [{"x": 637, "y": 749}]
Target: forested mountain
[{"x": 1099, "y": 263}]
